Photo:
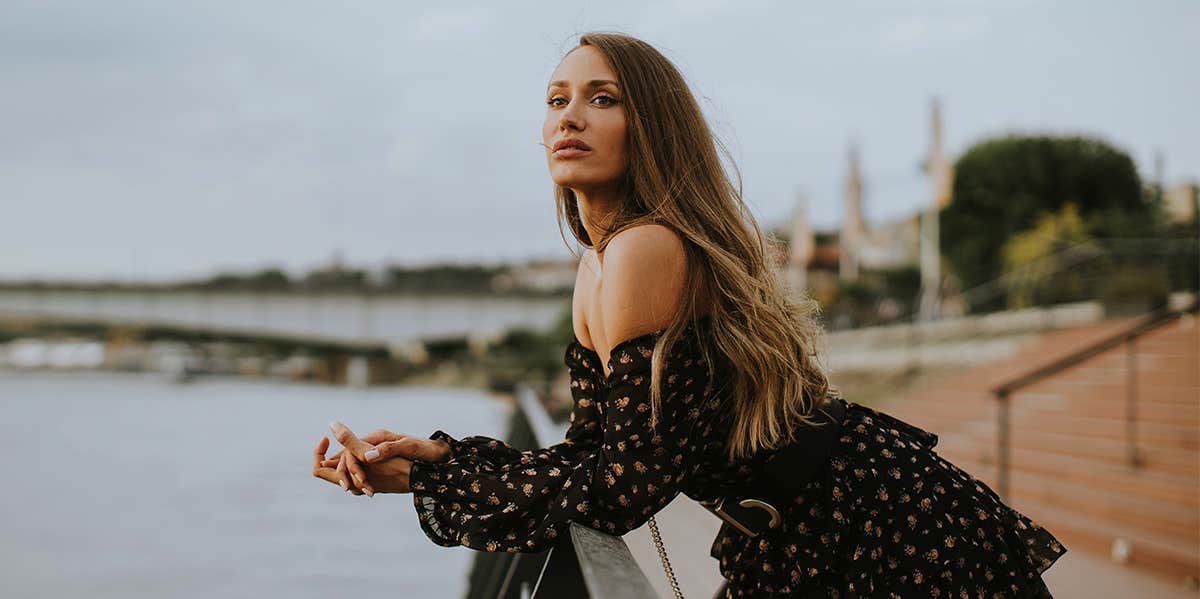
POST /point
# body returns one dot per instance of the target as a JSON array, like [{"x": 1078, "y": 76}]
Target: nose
[{"x": 571, "y": 117}]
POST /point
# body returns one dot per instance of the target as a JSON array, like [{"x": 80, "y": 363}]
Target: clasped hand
[{"x": 379, "y": 462}]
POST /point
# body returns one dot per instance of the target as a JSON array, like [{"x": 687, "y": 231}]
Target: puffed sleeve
[{"x": 500, "y": 499}]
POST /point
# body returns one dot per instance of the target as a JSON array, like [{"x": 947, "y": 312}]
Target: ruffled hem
[{"x": 887, "y": 517}]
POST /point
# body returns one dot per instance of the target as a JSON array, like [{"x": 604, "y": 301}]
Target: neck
[{"x": 597, "y": 208}]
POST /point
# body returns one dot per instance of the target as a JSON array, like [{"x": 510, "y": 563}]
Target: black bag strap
[{"x": 760, "y": 506}]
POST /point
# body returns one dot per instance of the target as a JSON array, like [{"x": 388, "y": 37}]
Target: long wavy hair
[{"x": 676, "y": 178}]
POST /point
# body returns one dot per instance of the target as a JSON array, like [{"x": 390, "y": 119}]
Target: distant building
[
  {"x": 1181, "y": 200},
  {"x": 859, "y": 246},
  {"x": 546, "y": 276},
  {"x": 896, "y": 242}
]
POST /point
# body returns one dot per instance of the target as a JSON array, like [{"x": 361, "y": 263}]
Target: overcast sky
[{"x": 157, "y": 140}]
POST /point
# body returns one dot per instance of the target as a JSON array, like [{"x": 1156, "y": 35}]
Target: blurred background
[{"x": 225, "y": 225}]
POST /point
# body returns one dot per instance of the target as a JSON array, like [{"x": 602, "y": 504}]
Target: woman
[{"x": 692, "y": 371}]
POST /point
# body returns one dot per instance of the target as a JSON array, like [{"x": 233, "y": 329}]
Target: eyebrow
[{"x": 592, "y": 83}]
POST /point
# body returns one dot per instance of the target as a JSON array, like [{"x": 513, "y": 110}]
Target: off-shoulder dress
[{"x": 885, "y": 516}]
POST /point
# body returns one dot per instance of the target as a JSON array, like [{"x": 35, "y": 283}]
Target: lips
[{"x": 571, "y": 143}]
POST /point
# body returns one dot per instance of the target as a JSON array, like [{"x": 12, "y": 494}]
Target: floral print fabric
[{"x": 885, "y": 517}]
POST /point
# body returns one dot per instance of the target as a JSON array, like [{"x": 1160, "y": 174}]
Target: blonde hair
[{"x": 676, "y": 179}]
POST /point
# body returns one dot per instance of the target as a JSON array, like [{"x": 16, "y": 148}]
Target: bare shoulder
[
  {"x": 645, "y": 271},
  {"x": 649, "y": 241},
  {"x": 645, "y": 255}
]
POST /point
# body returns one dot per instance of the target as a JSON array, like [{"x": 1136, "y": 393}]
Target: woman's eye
[
  {"x": 609, "y": 100},
  {"x": 556, "y": 101}
]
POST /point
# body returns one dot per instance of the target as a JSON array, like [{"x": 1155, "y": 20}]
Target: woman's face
[{"x": 585, "y": 128}]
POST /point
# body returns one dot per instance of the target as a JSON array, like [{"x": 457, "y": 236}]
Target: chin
[{"x": 572, "y": 178}]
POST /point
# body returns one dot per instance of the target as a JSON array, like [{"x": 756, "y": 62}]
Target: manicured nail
[
  {"x": 333, "y": 424},
  {"x": 370, "y": 455},
  {"x": 344, "y": 486},
  {"x": 369, "y": 494}
]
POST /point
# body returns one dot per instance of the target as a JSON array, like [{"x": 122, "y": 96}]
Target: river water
[{"x": 125, "y": 485}]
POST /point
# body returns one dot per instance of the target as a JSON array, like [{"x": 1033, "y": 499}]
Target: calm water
[{"x": 123, "y": 485}]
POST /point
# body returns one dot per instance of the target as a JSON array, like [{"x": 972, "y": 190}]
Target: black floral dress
[{"x": 886, "y": 516}]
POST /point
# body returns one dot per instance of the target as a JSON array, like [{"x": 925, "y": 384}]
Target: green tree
[
  {"x": 1003, "y": 186},
  {"x": 1037, "y": 260},
  {"x": 271, "y": 278}
]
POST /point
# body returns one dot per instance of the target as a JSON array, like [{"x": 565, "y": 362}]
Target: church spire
[
  {"x": 802, "y": 248},
  {"x": 939, "y": 168},
  {"x": 854, "y": 226}
]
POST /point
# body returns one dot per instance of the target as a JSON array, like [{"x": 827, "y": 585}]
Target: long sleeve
[
  {"x": 612, "y": 477},
  {"x": 582, "y": 434}
]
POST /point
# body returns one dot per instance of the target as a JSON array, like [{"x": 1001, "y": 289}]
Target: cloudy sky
[{"x": 156, "y": 140}]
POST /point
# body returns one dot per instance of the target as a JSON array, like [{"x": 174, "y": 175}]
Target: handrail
[
  {"x": 1127, "y": 336},
  {"x": 586, "y": 563},
  {"x": 1075, "y": 255},
  {"x": 593, "y": 564},
  {"x": 1149, "y": 322},
  {"x": 1064, "y": 259}
]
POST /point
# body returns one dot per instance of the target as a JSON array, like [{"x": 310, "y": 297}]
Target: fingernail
[
  {"x": 369, "y": 494},
  {"x": 344, "y": 486},
  {"x": 333, "y": 425},
  {"x": 370, "y": 455}
]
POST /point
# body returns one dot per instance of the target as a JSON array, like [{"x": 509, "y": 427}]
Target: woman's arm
[
  {"x": 502, "y": 500},
  {"x": 583, "y": 432},
  {"x": 614, "y": 487},
  {"x": 584, "y": 424}
]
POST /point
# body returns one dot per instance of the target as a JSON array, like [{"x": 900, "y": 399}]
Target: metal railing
[
  {"x": 1127, "y": 337},
  {"x": 586, "y": 563}
]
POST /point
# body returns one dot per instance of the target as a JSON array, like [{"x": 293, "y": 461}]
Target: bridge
[
  {"x": 356, "y": 332},
  {"x": 350, "y": 319}
]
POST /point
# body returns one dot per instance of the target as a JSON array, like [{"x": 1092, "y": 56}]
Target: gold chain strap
[{"x": 662, "y": 555}]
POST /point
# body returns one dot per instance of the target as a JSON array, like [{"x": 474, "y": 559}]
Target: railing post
[
  {"x": 1131, "y": 446},
  {"x": 1002, "y": 456}
]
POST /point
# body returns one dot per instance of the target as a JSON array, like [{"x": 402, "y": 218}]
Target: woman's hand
[
  {"x": 325, "y": 470},
  {"x": 322, "y": 471},
  {"x": 390, "y": 476},
  {"x": 378, "y": 462},
  {"x": 412, "y": 448},
  {"x": 374, "y": 437},
  {"x": 364, "y": 468}
]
